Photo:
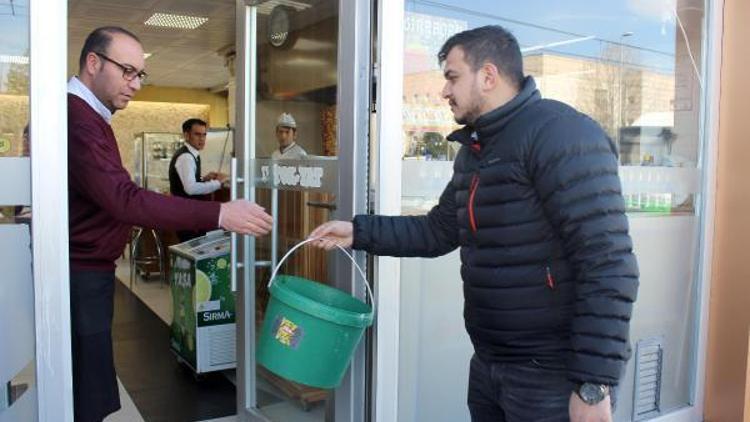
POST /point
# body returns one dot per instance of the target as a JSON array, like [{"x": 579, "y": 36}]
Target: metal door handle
[{"x": 233, "y": 264}]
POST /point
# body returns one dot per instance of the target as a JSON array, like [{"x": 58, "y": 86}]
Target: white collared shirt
[
  {"x": 77, "y": 88},
  {"x": 291, "y": 152},
  {"x": 185, "y": 166}
]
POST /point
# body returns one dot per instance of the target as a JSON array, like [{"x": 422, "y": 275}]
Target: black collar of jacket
[{"x": 489, "y": 124}]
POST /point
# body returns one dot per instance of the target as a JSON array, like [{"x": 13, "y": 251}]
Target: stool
[{"x": 150, "y": 259}]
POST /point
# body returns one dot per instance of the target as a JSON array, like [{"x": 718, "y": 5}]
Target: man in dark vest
[{"x": 185, "y": 170}]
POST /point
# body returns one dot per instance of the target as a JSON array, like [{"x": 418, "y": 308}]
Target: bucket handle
[{"x": 341, "y": 248}]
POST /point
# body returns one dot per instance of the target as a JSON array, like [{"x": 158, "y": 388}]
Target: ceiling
[
  {"x": 195, "y": 58},
  {"x": 179, "y": 57}
]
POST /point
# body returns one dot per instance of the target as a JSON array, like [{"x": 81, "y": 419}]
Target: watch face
[
  {"x": 592, "y": 393},
  {"x": 279, "y": 25}
]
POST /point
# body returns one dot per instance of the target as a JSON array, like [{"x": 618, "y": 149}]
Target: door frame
[
  {"x": 386, "y": 188},
  {"x": 243, "y": 247},
  {"x": 49, "y": 203}
]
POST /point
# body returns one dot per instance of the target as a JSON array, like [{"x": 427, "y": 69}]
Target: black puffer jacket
[{"x": 535, "y": 204}]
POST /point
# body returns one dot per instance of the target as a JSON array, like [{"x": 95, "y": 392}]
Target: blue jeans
[{"x": 518, "y": 391}]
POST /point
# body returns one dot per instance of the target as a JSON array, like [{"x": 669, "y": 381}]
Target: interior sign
[{"x": 293, "y": 176}]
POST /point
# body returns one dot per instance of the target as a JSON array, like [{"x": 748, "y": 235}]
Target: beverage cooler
[{"x": 202, "y": 333}]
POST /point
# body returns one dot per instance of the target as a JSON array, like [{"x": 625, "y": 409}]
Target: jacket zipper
[
  {"x": 550, "y": 280},
  {"x": 472, "y": 192}
]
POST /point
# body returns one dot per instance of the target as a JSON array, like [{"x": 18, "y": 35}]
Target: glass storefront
[
  {"x": 17, "y": 332},
  {"x": 636, "y": 68}
]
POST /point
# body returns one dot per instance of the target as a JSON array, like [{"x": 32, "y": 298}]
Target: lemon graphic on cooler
[
  {"x": 202, "y": 290},
  {"x": 221, "y": 263}
]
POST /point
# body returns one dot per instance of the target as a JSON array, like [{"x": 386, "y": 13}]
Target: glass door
[{"x": 302, "y": 102}]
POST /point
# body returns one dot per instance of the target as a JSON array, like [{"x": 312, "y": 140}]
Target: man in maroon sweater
[{"x": 104, "y": 205}]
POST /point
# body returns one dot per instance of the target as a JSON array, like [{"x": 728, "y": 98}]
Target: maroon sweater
[{"x": 104, "y": 203}]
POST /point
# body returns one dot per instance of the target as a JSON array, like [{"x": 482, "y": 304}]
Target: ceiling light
[
  {"x": 169, "y": 20},
  {"x": 147, "y": 55},
  {"x": 14, "y": 59}
]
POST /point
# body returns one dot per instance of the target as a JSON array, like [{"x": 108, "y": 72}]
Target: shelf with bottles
[{"x": 154, "y": 151}]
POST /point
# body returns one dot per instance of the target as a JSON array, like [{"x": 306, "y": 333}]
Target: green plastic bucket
[{"x": 310, "y": 330}]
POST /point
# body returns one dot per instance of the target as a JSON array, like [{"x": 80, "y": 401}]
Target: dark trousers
[
  {"x": 518, "y": 392},
  {"x": 95, "y": 392}
]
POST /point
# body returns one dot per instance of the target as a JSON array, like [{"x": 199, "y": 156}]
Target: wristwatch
[{"x": 592, "y": 394}]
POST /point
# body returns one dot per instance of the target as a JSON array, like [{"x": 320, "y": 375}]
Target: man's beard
[
  {"x": 474, "y": 110},
  {"x": 471, "y": 116}
]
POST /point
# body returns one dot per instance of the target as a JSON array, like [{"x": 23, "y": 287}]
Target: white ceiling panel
[{"x": 195, "y": 7}]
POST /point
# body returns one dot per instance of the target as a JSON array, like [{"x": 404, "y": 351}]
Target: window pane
[{"x": 17, "y": 369}]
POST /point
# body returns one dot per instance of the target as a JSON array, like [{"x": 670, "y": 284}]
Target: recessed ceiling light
[
  {"x": 14, "y": 59},
  {"x": 169, "y": 20}
]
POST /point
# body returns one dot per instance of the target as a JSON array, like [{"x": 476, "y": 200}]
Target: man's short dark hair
[
  {"x": 187, "y": 126},
  {"x": 493, "y": 44},
  {"x": 99, "y": 40}
]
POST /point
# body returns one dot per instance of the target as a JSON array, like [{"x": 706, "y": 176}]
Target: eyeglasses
[{"x": 128, "y": 72}]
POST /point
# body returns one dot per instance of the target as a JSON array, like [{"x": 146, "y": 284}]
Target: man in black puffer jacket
[{"x": 535, "y": 204}]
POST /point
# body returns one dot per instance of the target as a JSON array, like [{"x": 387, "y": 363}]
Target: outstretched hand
[
  {"x": 333, "y": 233},
  {"x": 245, "y": 217}
]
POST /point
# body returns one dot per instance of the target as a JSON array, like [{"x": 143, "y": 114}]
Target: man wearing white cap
[{"x": 286, "y": 134}]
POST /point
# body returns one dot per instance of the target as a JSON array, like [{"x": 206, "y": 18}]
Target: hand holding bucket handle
[
  {"x": 334, "y": 233},
  {"x": 342, "y": 249}
]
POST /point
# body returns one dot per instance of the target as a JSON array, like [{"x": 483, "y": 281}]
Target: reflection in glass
[
  {"x": 627, "y": 64},
  {"x": 615, "y": 76},
  {"x": 296, "y": 110}
]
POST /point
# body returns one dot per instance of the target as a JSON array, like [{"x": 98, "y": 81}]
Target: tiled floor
[
  {"x": 161, "y": 388},
  {"x": 154, "y": 294},
  {"x": 128, "y": 412}
]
